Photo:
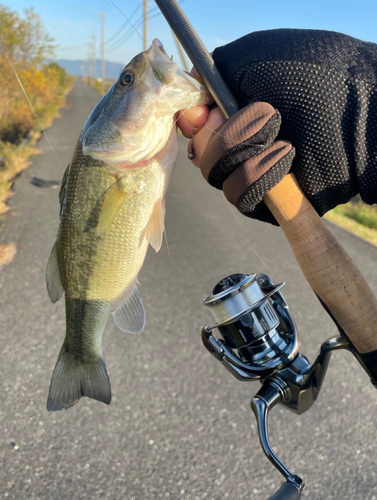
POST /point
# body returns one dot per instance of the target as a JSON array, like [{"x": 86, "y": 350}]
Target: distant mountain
[{"x": 80, "y": 67}]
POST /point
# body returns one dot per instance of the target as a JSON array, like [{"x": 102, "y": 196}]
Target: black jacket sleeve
[{"x": 324, "y": 85}]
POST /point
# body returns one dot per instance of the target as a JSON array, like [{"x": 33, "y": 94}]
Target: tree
[{"x": 24, "y": 38}]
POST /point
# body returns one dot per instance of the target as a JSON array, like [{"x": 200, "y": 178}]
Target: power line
[
  {"x": 115, "y": 5},
  {"x": 123, "y": 27},
  {"x": 123, "y": 35},
  {"x": 126, "y": 35},
  {"x": 130, "y": 32}
]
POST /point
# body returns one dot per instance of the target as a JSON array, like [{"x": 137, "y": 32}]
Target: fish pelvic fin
[{"x": 72, "y": 379}]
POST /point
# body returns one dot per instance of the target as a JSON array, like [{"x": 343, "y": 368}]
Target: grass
[
  {"x": 7, "y": 253},
  {"x": 357, "y": 218},
  {"x": 15, "y": 157}
]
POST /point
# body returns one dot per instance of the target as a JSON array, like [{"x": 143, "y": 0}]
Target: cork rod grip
[{"x": 329, "y": 270}]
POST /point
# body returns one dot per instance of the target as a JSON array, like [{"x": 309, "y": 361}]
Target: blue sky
[{"x": 71, "y": 23}]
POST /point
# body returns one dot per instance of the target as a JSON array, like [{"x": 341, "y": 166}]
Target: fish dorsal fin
[
  {"x": 53, "y": 278},
  {"x": 155, "y": 227},
  {"x": 130, "y": 315},
  {"x": 112, "y": 203}
]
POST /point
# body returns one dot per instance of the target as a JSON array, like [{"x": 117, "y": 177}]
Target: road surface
[{"x": 179, "y": 425}]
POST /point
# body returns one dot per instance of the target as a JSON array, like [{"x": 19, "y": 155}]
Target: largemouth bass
[{"x": 112, "y": 208}]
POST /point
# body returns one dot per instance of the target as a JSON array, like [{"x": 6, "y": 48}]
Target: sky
[{"x": 72, "y": 23}]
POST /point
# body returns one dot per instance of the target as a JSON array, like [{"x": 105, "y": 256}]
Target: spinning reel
[{"x": 259, "y": 341}]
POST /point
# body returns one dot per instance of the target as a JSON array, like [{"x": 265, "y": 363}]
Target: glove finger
[
  {"x": 246, "y": 186},
  {"x": 244, "y": 135}
]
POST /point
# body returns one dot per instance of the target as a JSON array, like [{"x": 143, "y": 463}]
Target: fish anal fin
[
  {"x": 112, "y": 203},
  {"x": 53, "y": 278},
  {"x": 155, "y": 227},
  {"x": 129, "y": 316}
]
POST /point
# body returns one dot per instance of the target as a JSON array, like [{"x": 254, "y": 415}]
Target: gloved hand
[{"x": 324, "y": 85}]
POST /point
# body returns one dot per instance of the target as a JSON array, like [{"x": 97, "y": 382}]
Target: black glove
[{"x": 324, "y": 85}]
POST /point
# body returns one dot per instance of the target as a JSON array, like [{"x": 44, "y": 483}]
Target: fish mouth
[
  {"x": 155, "y": 48},
  {"x": 156, "y": 54}
]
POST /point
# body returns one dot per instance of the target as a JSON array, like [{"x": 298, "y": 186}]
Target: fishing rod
[{"x": 259, "y": 338}]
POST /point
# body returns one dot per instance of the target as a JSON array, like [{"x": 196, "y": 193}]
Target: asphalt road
[{"x": 179, "y": 425}]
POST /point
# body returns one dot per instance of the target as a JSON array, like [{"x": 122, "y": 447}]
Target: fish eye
[{"x": 126, "y": 79}]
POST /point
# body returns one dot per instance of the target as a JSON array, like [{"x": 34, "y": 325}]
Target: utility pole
[
  {"x": 102, "y": 14},
  {"x": 88, "y": 68},
  {"x": 181, "y": 54},
  {"x": 145, "y": 25},
  {"x": 93, "y": 60}
]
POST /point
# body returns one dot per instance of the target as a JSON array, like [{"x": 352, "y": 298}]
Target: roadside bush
[{"x": 24, "y": 46}]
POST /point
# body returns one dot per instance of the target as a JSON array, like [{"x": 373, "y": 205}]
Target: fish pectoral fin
[
  {"x": 155, "y": 227},
  {"x": 53, "y": 278},
  {"x": 113, "y": 201},
  {"x": 130, "y": 315}
]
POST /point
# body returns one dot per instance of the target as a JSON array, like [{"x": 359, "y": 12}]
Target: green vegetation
[
  {"x": 24, "y": 47},
  {"x": 365, "y": 215},
  {"x": 358, "y": 218}
]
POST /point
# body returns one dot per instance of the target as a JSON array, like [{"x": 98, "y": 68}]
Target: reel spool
[{"x": 254, "y": 320}]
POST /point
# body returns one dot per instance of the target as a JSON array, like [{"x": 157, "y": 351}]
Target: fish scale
[
  {"x": 100, "y": 266},
  {"x": 112, "y": 208}
]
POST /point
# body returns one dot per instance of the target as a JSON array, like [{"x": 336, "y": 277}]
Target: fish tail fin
[{"x": 73, "y": 379}]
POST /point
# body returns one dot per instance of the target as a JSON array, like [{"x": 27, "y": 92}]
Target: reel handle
[{"x": 287, "y": 491}]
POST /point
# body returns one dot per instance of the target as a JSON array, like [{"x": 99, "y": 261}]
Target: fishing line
[
  {"x": 129, "y": 33},
  {"x": 227, "y": 202},
  {"x": 155, "y": 11},
  {"x": 243, "y": 232},
  {"x": 31, "y": 106},
  {"x": 183, "y": 114},
  {"x": 230, "y": 208},
  {"x": 167, "y": 244},
  {"x": 116, "y": 41},
  {"x": 122, "y": 28},
  {"x": 115, "y": 5},
  {"x": 123, "y": 39}
]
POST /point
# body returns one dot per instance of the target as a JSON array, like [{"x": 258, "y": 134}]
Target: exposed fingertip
[{"x": 193, "y": 119}]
